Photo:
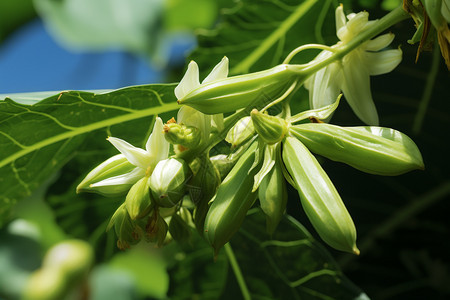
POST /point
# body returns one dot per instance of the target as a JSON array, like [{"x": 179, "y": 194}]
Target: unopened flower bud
[
  {"x": 114, "y": 166},
  {"x": 128, "y": 232},
  {"x": 269, "y": 128},
  {"x": 232, "y": 93},
  {"x": 168, "y": 181},
  {"x": 138, "y": 200},
  {"x": 156, "y": 228},
  {"x": 180, "y": 134},
  {"x": 179, "y": 229}
]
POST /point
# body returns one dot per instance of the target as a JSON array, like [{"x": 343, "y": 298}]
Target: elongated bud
[
  {"x": 269, "y": 128},
  {"x": 233, "y": 93},
  {"x": 114, "y": 166},
  {"x": 180, "y": 134},
  {"x": 138, "y": 201},
  {"x": 319, "y": 198},
  {"x": 233, "y": 199},
  {"x": 375, "y": 150},
  {"x": 272, "y": 195},
  {"x": 241, "y": 132},
  {"x": 168, "y": 181}
]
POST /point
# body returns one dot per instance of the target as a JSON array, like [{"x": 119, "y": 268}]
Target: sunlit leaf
[{"x": 37, "y": 140}]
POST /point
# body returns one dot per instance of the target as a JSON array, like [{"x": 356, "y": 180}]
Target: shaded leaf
[
  {"x": 288, "y": 265},
  {"x": 194, "y": 274},
  {"x": 257, "y": 35}
]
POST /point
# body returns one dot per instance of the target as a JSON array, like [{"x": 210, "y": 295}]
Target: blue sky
[{"x": 30, "y": 60}]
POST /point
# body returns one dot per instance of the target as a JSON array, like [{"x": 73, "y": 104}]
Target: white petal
[
  {"x": 192, "y": 117},
  {"x": 383, "y": 62},
  {"x": 129, "y": 178},
  {"x": 324, "y": 88},
  {"x": 137, "y": 156},
  {"x": 220, "y": 71},
  {"x": 356, "y": 88},
  {"x": 340, "y": 17},
  {"x": 354, "y": 26},
  {"x": 189, "y": 81},
  {"x": 380, "y": 42},
  {"x": 157, "y": 146}
]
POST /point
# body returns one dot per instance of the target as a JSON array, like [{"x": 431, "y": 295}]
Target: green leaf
[
  {"x": 257, "y": 35},
  {"x": 290, "y": 264},
  {"x": 14, "y": 14},
  {"x": 37, "y": 140}
]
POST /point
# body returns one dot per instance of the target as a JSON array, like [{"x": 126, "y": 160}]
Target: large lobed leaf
[
  {"x": 257, "y": 35},
  {"x": 290, "y": 264},
  {"x": 37, "y": 140}
]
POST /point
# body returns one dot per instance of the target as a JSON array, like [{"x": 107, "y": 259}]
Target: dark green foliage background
[{"x": 402, "y": 222}]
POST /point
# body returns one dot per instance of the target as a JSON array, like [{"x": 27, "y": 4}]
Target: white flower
[
  {"x": 145, "y": 160},
  {"x": 190, "y": 81},
  {"x": 351, "y": 74}
]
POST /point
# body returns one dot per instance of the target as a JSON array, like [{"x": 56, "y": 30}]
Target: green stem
[
  {"x": 237, "y": 271},
  {"x": 394, "y": 17},
  {"x": 428, "y": 91}
]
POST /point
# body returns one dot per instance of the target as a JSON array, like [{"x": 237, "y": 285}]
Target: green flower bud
[
  {"x": 202, "y": 187},
  {"x": 179, "y": 229},
  {"x": 375, "y": 150},
  {"x": 138, "y": 202},
  {"x": 128, "y": 232},
  {"x": 241, "y": 132},
  {"x": 114, "y": 166},
  {"x": 232, "y": 93},
  {"x": 180, "y": 134},
  {"x": 156, "y": 228},
  {"x": 269, "y": 128},
  {"x": 168, "y": 181},
  {"x": 233, "y": 199},
  {"x": 319, "y": 198},
  {"x": 272, "y": 195}
]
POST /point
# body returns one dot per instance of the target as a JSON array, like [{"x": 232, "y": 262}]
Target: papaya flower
[
  {"x": 351, "y": 74},
  {"x": 190, "y": 81},
  {"x": 138, "y": 162}
]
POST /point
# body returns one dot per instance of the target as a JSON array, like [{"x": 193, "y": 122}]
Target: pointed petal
[
  {"x": 356, "y": 88},
  {"x": 129, "y": 178},
  {"x": 220, "y": 71},
  {"x": 189, "y": 81},
  {"x": 340, "y": 17},
  {"x": 137, "y": 156},
  {"x": 383, "y": 62},
  {"x": 268, "y": 163},
  {"x": 157, "y": 146},
  {"x": 380, "y": 42},
  {"x": 324, "y": 86}
]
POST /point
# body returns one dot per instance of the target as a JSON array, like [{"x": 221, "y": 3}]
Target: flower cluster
[{"x": 163, "y": 183}]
